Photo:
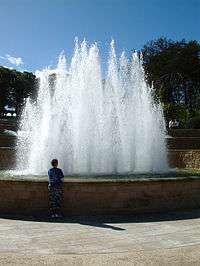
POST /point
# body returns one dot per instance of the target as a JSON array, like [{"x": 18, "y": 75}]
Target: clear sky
[{"x": 34, "y": 32}]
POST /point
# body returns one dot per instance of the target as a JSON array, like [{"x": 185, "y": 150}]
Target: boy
[{"x": 55, "y": 189}]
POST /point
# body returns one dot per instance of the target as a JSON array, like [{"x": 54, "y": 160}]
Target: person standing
[{"x": 55, "y": 189}]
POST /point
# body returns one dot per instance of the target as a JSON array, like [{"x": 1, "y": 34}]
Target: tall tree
[{"x": 174, "y": 69}]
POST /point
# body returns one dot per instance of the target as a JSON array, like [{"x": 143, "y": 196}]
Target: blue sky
[{"x": 34, "y": 32}]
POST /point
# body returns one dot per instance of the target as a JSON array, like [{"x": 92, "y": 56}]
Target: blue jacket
[{"x": 55, "y": 177}]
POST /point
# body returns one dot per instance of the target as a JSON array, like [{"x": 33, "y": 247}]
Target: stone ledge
[
  {"x": 184, "y": 132},
  {"x": 136, "y": 178},
  {"x": 102, "y": 197},
  {"x": 183, "y": 143}
]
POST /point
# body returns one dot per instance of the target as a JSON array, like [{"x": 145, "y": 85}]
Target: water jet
[{"x": 91, "y": 126}]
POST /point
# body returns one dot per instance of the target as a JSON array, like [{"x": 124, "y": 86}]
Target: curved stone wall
[
  {"x": 87, "y": 196},
  {"x": 184, "y": 132}
]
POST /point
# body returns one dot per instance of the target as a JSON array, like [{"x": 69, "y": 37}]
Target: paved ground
[{"x": 172, "y": 239}]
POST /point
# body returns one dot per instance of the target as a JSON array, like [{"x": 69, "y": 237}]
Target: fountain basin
[{"x": 102, "y": 195}]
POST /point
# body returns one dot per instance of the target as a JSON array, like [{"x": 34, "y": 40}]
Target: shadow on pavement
[
  {"x": 101, "y": 225},
  {"x": 103, "y": 221}
]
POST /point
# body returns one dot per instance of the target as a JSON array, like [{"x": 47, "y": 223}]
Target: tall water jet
[{"x": 92, "y": 124}]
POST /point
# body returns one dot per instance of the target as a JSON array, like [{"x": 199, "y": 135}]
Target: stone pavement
[{"x": 170, "y": 239}]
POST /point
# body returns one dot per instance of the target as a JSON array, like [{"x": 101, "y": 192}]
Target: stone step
[
  {"x": 183, "y": 143},
  {"x": 7, "y": 141},
  {"x": 184, "y": 158},
  {"x": 184, "y": 132},
  {"x": 7, "y": 125}
]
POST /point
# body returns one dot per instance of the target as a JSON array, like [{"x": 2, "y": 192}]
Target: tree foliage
[
  {"x": 173, "y": 67},
  {"x": 15, "y": 87}
]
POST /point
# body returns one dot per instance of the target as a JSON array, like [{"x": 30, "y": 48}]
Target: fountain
[
  {"x": 109, "y": 137},
  {"x": 93, "y": 124}
]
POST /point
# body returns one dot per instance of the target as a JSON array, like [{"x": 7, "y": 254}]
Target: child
[{"x": 55, "y": 189}]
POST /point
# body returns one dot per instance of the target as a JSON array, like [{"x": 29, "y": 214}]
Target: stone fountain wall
[
  {"x": 86, "y": 196},
  {"x": 91, "y": 197}
]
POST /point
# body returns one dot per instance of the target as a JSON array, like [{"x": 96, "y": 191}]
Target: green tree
[
  {"x": 174, "y": 69},
  {"x": 15, "y": 87}
]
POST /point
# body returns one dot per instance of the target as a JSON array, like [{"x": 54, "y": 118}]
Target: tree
[
  {"x": 174, "y": 70},
  {"x": 15, "y": 87}
]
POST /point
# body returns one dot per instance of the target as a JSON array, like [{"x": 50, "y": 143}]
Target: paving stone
[{"x": 170, "y": 239}]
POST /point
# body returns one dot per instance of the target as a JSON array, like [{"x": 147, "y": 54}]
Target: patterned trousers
[{"x": 55, "y": 199}]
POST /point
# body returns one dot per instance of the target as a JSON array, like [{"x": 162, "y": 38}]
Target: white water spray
[{"x": 90, "y": 124}]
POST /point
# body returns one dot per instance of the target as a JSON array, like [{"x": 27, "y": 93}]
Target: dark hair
[{"x": 54, "y": 161}]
